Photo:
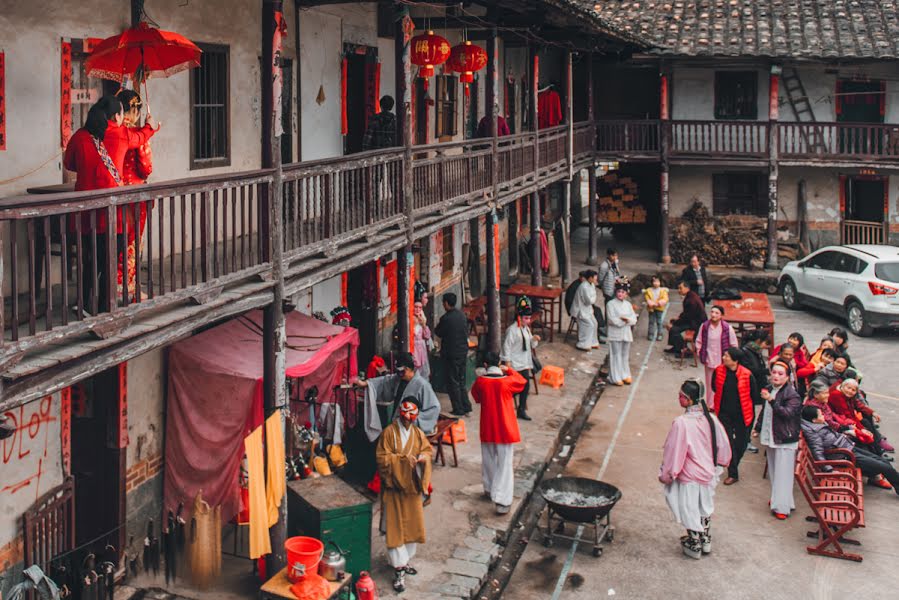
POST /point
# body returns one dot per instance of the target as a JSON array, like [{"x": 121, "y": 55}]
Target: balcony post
[
  {"x": 536, "y": 271},
  {"x": 773, "y": 133},
  {"x": 592, "y": 215},
  {"x": 273, "y": 326},
  {"x": 404, "y": 134},
  {"x": 566, "y": 198},
  {"x": 664, "y": 133},
  {"x": 491, "y": 281}
]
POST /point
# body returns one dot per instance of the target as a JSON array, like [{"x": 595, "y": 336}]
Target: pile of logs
[{"x": 732, "y": 240}]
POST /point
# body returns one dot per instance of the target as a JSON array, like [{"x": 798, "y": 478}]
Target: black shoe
[
  {"x": 399, "y": 580},
  {"x": 410, "y": 570},
  {"x": 671, "y": 350},
  {"x": 457, "y": 413},
  {"x": 523, "y": 416}
]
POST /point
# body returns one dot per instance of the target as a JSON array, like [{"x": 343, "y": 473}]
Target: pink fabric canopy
[{"x": 215, "y": 398}]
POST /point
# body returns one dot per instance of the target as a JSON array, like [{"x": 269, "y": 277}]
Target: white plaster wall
[
  {"x": 692, "y": 93},
  {"x": 146, "y": 405},
  {"x": 30, "y": 462},
  {"x": 326, "y": 295},
  {"x": 820, "y": 84}
]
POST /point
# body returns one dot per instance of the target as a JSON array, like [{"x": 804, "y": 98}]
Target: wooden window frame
[
  {"x": 223, "y": 161},
  {"x": 451, "y": 105},
  {"x": 725, "y": 84},
  {"x": 448, "y": 257},
  {"x": 722, "y": 202}
]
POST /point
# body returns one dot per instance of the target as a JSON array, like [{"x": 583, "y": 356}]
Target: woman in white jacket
[
  {"x": 582, "y": 310},
  {"x": 620, "y": 318}
]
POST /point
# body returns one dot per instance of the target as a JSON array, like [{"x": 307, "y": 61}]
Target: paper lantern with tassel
[
  {"x": 428, "y": 51},
  {"x": 465, "y": 59}
]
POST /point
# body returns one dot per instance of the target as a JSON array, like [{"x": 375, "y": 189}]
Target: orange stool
[{"x": 552, "y": 376}]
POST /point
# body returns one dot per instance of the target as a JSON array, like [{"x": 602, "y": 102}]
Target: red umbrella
[{"x": 140, "y": 53}]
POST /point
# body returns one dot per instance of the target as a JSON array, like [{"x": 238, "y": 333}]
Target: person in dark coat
[
  {"x": 696, "y": 277},
  {"x": 821, "y": 438},
  {"x": 755, "y": 343},
  {"x": 691, "y": 317},
  {"x": 453, "y": 333}
]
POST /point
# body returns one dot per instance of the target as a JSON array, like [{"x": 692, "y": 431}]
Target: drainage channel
[{"x": 529, "y": 516}]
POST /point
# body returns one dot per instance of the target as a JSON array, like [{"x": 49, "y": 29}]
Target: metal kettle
[{"x": 333, "y": 563}]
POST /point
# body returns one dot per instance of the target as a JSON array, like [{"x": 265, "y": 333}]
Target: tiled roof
[
  {"x": 584, "y": 9},
  {"x": 770, "y": 28}
]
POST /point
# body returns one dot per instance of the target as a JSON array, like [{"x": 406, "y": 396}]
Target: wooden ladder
[{"x": 802, "y": 110}]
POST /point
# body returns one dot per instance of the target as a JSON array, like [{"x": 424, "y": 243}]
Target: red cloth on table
[
  {"x": 215, "y": 398},
  {"x": 549, "y": 109},
  {"x": 499, "y": 424}
]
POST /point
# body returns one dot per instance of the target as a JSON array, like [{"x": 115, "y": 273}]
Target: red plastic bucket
[{"x": 303, "y": 555}]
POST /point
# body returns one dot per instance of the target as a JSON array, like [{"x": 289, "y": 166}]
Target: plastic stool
[{"x": 552, "y": 376}]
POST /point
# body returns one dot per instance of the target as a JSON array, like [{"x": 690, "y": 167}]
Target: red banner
[
  {"x": 390, "y": 272},
  {"x": 277, "y": 75},
  {"x": 65, "y": 96},
  {"x": 2, "y": 101},
  {"x": 65, "y": 430},
  {"x": 411, "y": 281},
  {"x": 344, "y": 125},
  {"x": 117, "y": 434}
]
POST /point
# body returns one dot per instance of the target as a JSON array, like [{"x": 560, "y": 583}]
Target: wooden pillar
[
  {"x": 512, "y": 217},
  {"x": 566, "y": 185},
  {"x": 491, "y": 281},
  {"x": 592, "y": 214},
  {"x": 274, "y": 334},
  {"x": 802, "y": 217},
  {"x": 665, "y": 132},
  {"x": 136, "y": 9},
  {"x": 773, "y": 162},
  {"x": 536, "y": 254},
  {"x": 404, "y": 134},
  {"x": 474, "y": 283}
]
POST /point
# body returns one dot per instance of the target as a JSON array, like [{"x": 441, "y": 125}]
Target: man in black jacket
[
  {"x": 692, "y": 316},
  {"x": 697, "y": 278},
  {"x": 821, "y": 438},
  {"x": 453, "y": 333}
]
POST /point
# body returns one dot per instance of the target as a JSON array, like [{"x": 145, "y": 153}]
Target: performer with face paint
[{"x": 404, "y": 463}]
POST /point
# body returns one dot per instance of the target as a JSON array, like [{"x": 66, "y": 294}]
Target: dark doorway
[
  {"x": 471, "y": 116},
  {"x": 860, "y": 101},
  {"x": 641, "y": 101},
  {"x": 355, "y": 102},
  {"x": 422, "y": 99},
  {"x": 510, "y": 98},
  {"x": 362, "y": 302},
  {"x": 98, "y": 464},
  {"x": 864, "y": 199},
  {"x": 287, "y": 111}
]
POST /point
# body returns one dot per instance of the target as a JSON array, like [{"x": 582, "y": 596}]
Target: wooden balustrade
[
  {"x": 719, "y": 138},
  {"x": 843, "y": 141},
  {"x": 628, "y": 137},
  {"x": 60, "y": 254},
  {"x": 863, "y": 232},
  {"x": 584, "y": 139}
]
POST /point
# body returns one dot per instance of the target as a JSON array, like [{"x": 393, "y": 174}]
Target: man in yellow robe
[{"x": 404, "y": 463}]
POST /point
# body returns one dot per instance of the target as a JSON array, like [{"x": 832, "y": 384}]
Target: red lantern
[
  {"x": 466, "y": 59},
  {"x": 428, "y": 51}
]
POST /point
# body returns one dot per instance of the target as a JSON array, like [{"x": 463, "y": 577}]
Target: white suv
[{"x": 859, "y": 282}]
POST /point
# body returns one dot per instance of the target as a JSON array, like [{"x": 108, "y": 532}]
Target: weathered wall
[{"x": 693, "y": 93}]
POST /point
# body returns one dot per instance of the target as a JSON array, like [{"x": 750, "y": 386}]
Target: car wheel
[
  {"x": 789, "y": 295},
  {"x": 858, "y": 322}
]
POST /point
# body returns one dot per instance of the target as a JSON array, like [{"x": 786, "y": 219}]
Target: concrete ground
[{"x": 754, "y": 555}]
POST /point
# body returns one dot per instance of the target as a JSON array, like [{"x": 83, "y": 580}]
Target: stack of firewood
[
  {"x": 619, "y": 200},
  {"x": 732, "y": 240}
]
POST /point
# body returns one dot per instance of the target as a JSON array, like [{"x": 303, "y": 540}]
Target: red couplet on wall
[
  {"x": 2, "y": 101},
  {"x": 65, "y": 430},
  {"x": 65, "y": 97},
  {"x": 117, "y": 436},
  {"x": 773, "y": 102}
]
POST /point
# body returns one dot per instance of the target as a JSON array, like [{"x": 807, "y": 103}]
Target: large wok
[{"x": 584, "y": 487}]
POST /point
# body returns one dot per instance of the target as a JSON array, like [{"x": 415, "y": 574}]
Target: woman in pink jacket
[{"x": 695, "y": 453}]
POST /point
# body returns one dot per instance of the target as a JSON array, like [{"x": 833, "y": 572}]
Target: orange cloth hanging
[
  {"x": 276, "y": 485},
  {"x": 260, "y": 544}
]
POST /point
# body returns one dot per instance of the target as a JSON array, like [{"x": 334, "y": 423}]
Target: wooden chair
[
  {"x": 689, "y": 345},
  {"x": 444, "y": 424},
  {"x": 836, "y": 501},
  {"x": 572, "y": 329}
]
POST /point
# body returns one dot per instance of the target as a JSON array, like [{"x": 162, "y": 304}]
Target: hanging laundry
[
  {"x": 549, "y": 108},
  {"x": 544, "y": 251},
  {"x": 204, "y": 550},
  {"x": 260, "y": 544},
  {"x": 277, "y": 468}
]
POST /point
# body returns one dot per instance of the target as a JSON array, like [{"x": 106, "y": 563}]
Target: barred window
[
  {"x": 210, "y": 140},
  {"x": 736, "y": 95},
  {"x": 446, "y": 106},
  {"x": 739, "y": 194}
]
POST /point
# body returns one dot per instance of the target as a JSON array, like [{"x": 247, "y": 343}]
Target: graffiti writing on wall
[{"x": 29, "y": 444}]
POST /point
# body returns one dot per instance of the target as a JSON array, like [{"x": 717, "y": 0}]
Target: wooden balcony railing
[
  {"x": 60, "y": 254},
  {"x": 584, "y": 139},
  {"x": 842, "y": 141},
  {"x": 719, "y": 138},
  {"x": 628, "y": 137}
]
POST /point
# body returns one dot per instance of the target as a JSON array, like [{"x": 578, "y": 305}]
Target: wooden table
[
  {"x": 550, "y": 296},
  {"x": 279, "y": 587},
  {"x": 752, "y": 309}
]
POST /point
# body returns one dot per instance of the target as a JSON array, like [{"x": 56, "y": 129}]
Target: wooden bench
[
  {"x": 835, "y": 497},
  {"x": 444, "y": 424}
]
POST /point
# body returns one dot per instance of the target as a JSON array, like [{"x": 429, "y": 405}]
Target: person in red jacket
[
  {"x": 495, "y": 391},
  {"x": 736, "y": 392},
  {"x": 845, "y": 402}
]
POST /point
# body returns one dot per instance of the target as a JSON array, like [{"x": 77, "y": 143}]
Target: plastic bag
[{"x": 311, "y": 587}]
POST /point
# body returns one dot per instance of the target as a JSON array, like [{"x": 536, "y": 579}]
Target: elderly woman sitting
[{"x": 844, "y": 401}]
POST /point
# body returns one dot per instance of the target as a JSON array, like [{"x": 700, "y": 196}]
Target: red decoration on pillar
[
  {"x": 496, "y": 253},
  {"x": 843, "y": 182},
  {"x": 344, "y": 280},
  {"x": 2, "y": 101},
  {"x": 344, "y": 125},
  {"x": 277, "y": 75},
  {"x": 117, "y": 436},
  {"x": 65, "y": 97},
  {"x": 65, "y": 430},
  {"x": 663, "y": 97},
  {"x": 411, "y": 279},
  {"x": 838, "y": 99},
  {"x": 773, "y": 100}
]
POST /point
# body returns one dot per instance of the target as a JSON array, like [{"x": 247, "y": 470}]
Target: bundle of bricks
[{"x": 619, "y": 200}]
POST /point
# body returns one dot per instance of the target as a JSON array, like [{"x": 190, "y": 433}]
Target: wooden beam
[
  {"x": 665, "y": 132},
  {"x": 536, "y": 252},
  {"x": 491, "y": 287},
  {"x": 406, "y": 125},
  {"x": 773, "y": 169}
]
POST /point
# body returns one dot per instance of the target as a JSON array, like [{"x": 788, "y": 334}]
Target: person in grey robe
[{"x": 388, "y": 391}]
